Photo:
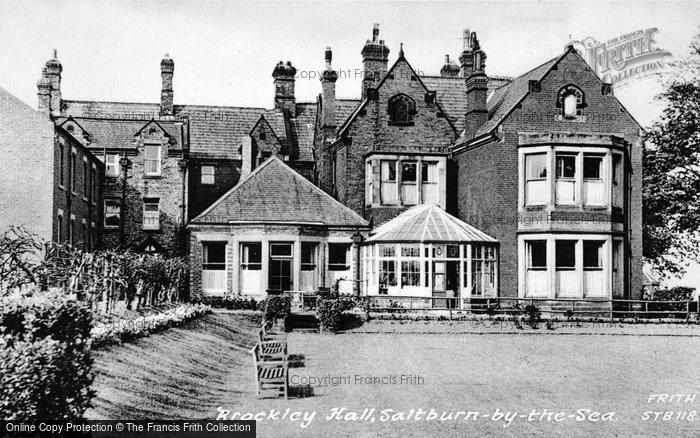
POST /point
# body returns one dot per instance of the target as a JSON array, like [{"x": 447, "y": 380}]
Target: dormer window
[
  {"x": 571, "y": 101},
  {"x": 152, "y": 159},
  {"x": 401, "y": 110}
]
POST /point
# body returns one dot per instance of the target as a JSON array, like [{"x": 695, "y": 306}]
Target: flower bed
[{"x": 126, "y": 330}]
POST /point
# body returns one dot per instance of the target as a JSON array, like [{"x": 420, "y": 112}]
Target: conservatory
[{"x": 427, "y": 254}]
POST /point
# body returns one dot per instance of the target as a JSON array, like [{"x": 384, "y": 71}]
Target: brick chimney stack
[
  {"x": 283, "y": 75},
  {"x": 49, "y": 87},
  {"x": 477, "y": 88},
  {"x": 375, "y": 60},
  {"x": 167, "y": 67},
  {"x": 328, "y": 79},
  {"x": 450, "y": 69}
]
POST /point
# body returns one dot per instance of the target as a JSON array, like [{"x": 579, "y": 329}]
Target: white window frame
[
  {"x": 157, "y": 161},
  {"x": 112, "y": 162},
  {"x": 552, "y": 291},
  {"x": 113, "y": 201},
  {"x": 210, "y": 177},
  {"x": 151, "y": 218},
  {"x": 529, "y": 179}
]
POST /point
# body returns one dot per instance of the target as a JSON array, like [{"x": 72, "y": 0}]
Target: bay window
[
  {"x": 483, "y": 269},
  {"x": 566, "y": 179},
  {"x": 536, "y": 179},
  {"x": 405, "y": 180}
]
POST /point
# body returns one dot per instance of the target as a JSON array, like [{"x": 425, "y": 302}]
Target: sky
[{"x": 225, "y": 51}]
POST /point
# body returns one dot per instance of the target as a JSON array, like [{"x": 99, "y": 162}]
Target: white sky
[{"x": 225, "y": 51}]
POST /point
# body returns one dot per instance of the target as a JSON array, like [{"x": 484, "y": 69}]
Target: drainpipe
[
  {"x": 357, "y": 240},
  {"x": 183, "y": 168}
]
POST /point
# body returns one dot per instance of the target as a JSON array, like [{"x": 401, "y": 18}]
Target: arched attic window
[
  {"x": 401, "y": 110},
  {"x": 571, "y": 101}
]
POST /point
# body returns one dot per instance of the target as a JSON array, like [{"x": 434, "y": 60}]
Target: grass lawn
[{"x": 189, "y": 373}]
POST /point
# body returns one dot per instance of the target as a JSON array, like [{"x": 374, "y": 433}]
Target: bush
[
  {"x": 678, "y": 293},
  {"x": 230, "y": 302},
  {"x": 45, "y": 359},
  {"x": 277, "y": 307},
  {"x": 534, "y": 314},
  {"x": 329, "y": 312},
  {"x": 125, "y": 331}
]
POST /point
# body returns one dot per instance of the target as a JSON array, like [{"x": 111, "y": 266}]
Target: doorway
[{"x": 280, "y": 267}]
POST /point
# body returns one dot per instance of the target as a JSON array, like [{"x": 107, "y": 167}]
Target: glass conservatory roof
[{"x": 427, "y": 223}]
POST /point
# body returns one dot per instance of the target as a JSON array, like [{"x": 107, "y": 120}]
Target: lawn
[{"x": 188, "y": 373}]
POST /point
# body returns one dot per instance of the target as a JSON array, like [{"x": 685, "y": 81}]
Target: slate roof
[
  {"x": 119, "y": 133},
  {"x": 427, "y": 223},
  {"x": 507, "y": 97},
  {"x": 274, "y": 192},
  {"x": 451, "y": 92},
  {"x": 214, "y": 131}
]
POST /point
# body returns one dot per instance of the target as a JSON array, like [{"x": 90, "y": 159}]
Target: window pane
[
  {"x": 537, "y": 254},
  {"x": 214, "y": 255},
  {"x": 388, "y": 170},
  {"x": 566, "y": 166},
  {"x": 592, "y": 254},
  {"x": 410, "y": 273},
  {"x": 565, "y": 254},
  {"x": 429, "y": 172},
  {"x": 536, "y": 166},
  {"x": 570, "y": 102},
  {"x": 151, "y": 152},
  {"x": 408, "y": 172},
  {"x": 592, "y": 167},
  {"x": 410, "y": 251},
  {"x": 208, "y": 174},
  {"x": 308, "y": 252},
  {"x": 251, "y": 256},
  {"x": 281, "y": 249},
  {"x": 387, "y": 273},
  {"x": 452, "y": 251},
  {"x": 387, "y": 251},
  {"x": 337, "y": 256}
]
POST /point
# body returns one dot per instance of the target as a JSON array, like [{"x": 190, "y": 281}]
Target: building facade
[
  {"x": 50, "y": 183},
  {"x": 548, "y": 164}
]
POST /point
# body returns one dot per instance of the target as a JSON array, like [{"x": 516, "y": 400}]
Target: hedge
[{"x": 45, "y": 359}]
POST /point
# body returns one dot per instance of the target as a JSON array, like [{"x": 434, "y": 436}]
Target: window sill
[{"x": 538, "y": 207}]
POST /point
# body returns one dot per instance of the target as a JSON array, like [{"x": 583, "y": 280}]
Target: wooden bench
[
  {"x": 270, "y": 374},
  {"x": 271, "y": 348},
  {"x": 269, "y": 335}
]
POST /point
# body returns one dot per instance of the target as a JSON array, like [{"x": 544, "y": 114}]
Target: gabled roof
[
  {"x": 509, "y": 96},
  {"x": 274, "y": 192},
  {"x": 386, "y": 75},
  {"x": 427, "y": 223},
  {"x": 263, "y": 120}
]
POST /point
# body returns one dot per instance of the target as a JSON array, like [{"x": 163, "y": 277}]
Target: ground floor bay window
[{"x": 570, "y": 266}]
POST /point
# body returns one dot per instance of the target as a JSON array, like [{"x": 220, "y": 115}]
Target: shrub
[
  {"x": 678, "y": 293},
  {"x": 328, "y": 312},
  {"x": 45, "y": 359},
  {"x": 277, "y": 307},
  {"x": 230, "y": 302},
  {"x": 534, "y": 314}
]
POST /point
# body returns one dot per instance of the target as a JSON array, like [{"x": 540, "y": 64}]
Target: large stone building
[{"x": 544, "y": 168}]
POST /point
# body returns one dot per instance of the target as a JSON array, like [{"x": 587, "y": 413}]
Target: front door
[
  {"x": 439, "y": 284},
  {"x": 452, "y": 283}
]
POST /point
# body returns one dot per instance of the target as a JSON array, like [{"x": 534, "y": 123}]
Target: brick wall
[
  {"x": 201, "y": 196},
  {"x": 73, "y": 195},
  {"x": 26, "y": 168}
]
